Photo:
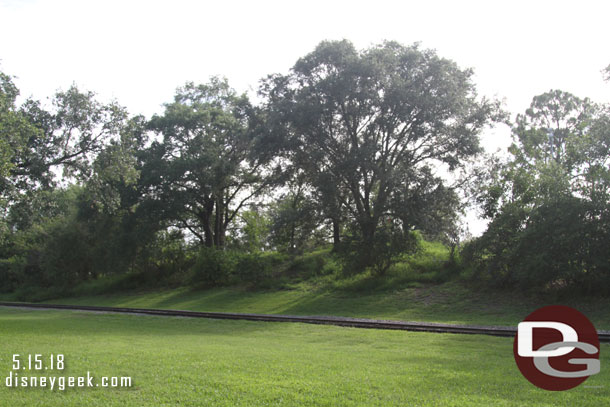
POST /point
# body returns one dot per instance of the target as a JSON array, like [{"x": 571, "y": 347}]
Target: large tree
[
  {"x": 204, "y": 169},
  {"x": 368, "y": 126}
]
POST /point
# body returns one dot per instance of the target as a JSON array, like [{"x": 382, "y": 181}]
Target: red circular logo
[{"x": 556, "y": 348}]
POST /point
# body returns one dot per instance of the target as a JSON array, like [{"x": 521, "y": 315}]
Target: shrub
[
  {"x": 213, "y": 266},
  {"x": 11, "y": 273},
  {"x": 561, "y": 243},
  {"x": 384, "y": 249},
  {"x": 262, "y": 266},
  {"x": 254, "y": 267}
]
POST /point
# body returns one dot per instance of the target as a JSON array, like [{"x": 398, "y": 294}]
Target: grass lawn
[
  {"x": 192, "y": 362},
  {"x": 450, "y": 302}
]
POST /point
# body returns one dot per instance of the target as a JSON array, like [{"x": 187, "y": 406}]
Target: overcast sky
[{"x": 139, "y": 51}]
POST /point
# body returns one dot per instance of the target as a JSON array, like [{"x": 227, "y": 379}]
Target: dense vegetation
[
  {"x": 359, "y": 155},
  {"x": 549, "y": 203}
]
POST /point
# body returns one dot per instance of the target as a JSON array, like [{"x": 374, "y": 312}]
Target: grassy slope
[
  {"x": 451, "y": 302},
  {"x": 176, "y": 361},
  {"x": 411, "y": 291}
]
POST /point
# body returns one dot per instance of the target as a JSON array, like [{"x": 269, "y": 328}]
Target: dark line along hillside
[{"x": 604, "y": 336}]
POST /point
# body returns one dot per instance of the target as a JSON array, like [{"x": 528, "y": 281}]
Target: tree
[
  {"x": 560, "y": 147},
  {"x": 295, "y": 215},
  {"x": 372, "y": 123},
  {"x": 15, "y": 132},
  {"x": 35, "y": 142},
  {"x": 204, "y": 170},
  {"x": 10, "y": 124},
  {"x": 115, "y": 170},
  {"x": 255, "y": 230},
  {"x": 549, "y": 203}
]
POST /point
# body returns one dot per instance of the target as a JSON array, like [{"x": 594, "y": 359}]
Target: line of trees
[
  {"x": 354, "y": 148},
  {"x": 549, "y": 202}
]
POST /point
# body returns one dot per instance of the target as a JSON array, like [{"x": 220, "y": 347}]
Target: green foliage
[
  {"x": 429, "y": 263},
  {"x": 166, "y": 256},
  {"x": 315, "y": 263},
  {"x": 15, "y": 130},
  {"x": 380, "y": 252},
  {"x": 66, "y": 255},
  {"x": 60, "y": 237},
  {"x": 255, "y": 230},
  {"x": 67, "y": 137},
  {"x": 354, "y": 137},
  {"x": 205, "y": 169},
  {"x": 257, "y": 267},
  {"x": 115, "y": 171},
  {"x": 549, "y": 203},
  {"x": 366, "y": 125},
  {"x": 46, "y": 246},
  {"x": 294, "y": 219},
  {"x": 213, "y": 266},
  {"x": 562, "y": 243},
  {"x": 11, "y": 273}
]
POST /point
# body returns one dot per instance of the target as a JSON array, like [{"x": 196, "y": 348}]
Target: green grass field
[
  {"x": 192, "y": 362},
  {"x": 451, "y": 302}
]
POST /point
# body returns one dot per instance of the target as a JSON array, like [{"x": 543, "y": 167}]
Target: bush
[
  {"x": 11, "y": 273},
  {"x": 167, "y": 255},
  {"x": 316, "y": 263},
  {"x": 254, "y": 267},
  {"x": 384, "y": 250},
  {"x": 213, "y": 266},
  {"x": 563, "y": 243}
]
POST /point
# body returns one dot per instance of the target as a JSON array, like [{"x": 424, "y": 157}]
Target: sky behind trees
[{"x": 139, "y": 52}]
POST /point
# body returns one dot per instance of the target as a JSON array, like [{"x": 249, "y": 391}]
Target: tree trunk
[
  {"x": 204, "y": 216},
  {"x": 336, "y": 234},
  {"x": 207, "y": 231},
  {"x": 368, "y": 228},
  {"x": 219, "y": 222},
  {"x": 292, "y": 245},
  {"x": 368, "y": 231}
]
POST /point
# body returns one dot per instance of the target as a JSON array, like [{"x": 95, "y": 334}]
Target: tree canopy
[
  {"x": 549, "y": 203},
  {"x": 368, "y": 127},
  {"x": 367, "y": 150},
  {"x": 204, "y": 169}
]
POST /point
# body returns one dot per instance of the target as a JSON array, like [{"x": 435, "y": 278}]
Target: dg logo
[{"x": 556, "y": 348}]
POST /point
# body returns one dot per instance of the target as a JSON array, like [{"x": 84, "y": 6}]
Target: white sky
[{"x": 139, "y": 51}]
